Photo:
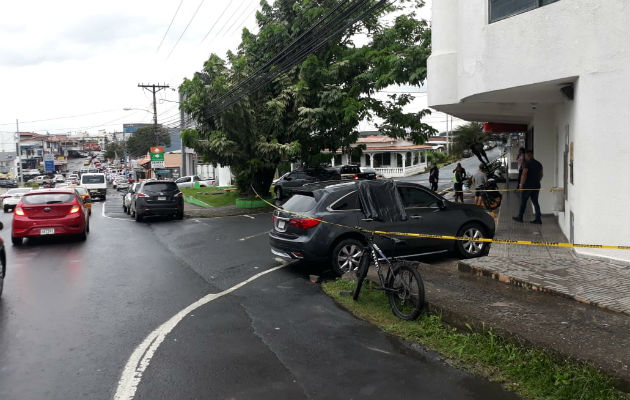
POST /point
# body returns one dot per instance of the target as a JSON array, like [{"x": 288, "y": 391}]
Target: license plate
[
  {"x": 281, "y": 224},
  {"x": 47, "y": 231},
  {"x": 161, "y": 198}
]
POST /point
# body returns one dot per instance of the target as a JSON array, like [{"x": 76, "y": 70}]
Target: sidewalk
[{"x": 556, "y": 270}]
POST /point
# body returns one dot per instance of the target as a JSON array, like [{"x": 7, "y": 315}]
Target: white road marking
[
  {"x": 378, "y": 350},
  {"x": 107, "y": 216},
  {"x": 253, "y": 236},
  {"x": 248, "y": 216},
  {"x": 141, "y": 356}
]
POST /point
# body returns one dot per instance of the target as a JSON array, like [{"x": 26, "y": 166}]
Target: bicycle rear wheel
[
  {"x": 405, "y": 290},
  {"x": 361, "y": 274}
]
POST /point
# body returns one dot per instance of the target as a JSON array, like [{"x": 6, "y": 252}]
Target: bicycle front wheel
[
  {"x": 361, "y": 274},
  {"x": 405, "y": 290}
]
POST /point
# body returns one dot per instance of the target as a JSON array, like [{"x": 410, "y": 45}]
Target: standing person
[
  {"x": 458, "y": 182},
  {"x": 434, "y": 177},
  {"x": 520, "y": 159},
  {"x": 530, "y": 179},
  {"x": 478, "y": 181}
]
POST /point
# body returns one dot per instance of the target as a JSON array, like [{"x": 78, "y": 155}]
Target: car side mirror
[{"x": 288, "y": 178}]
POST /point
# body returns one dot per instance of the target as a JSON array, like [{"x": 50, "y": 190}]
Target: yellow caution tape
[{"x": 448, "y": 237}]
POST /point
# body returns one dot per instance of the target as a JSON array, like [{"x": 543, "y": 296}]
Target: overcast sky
[{"x": 72, "y": 58}]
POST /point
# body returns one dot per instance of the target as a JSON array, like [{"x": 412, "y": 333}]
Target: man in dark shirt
[
  {"x": 530, "y": 179},
  {"x": 434, "y": 177}
]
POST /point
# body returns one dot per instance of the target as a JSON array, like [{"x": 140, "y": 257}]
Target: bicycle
[{"x": 402, "y": 283}]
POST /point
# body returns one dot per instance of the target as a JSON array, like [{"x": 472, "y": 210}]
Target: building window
[{"x": 501, "y": 9}]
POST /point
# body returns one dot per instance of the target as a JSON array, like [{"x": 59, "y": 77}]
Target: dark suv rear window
[
  {"x": 157, "y": 187},
  {"x": 47, "y": 198},
  {"x": 299, "y": 203}
]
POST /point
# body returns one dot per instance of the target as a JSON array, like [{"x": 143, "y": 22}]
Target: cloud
[{"x": 109, "y": 28}]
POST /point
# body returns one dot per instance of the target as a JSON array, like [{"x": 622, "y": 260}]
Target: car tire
[
  {"x": 180, "y": 215},
  {"x": 278, "y": 193},
  {"x": 472, "y": 249},
  {"x": 138, "y": 217},
  {"x": 346, "y": 256},
  {"x": 124, "y": 208},
  {"x": 16, "y": 241},
  {"x": 6, "y": 209}
]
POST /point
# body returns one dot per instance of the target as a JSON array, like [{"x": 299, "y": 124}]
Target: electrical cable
[
  {"x": 216, "y": 22},
  {"x": 228, "y": 20},
  {"x": 169, "y": 25},
  {"x": 185, "y": 29}
]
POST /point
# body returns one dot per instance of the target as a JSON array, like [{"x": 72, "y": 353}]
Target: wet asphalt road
[{"x": 73, "y": 312}]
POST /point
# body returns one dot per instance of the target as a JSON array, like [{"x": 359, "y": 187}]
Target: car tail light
[
  {"x": 356, "y": 177},
  {"x": 19, "y": 211},
  {"x": 75, "y": 209},
  {"x": 142, "y": 195},
  {"x": 180, "y": 194},
  {"x": 304, "y": 223}
]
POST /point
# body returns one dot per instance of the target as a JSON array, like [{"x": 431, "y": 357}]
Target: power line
[
  {"x": 216, "y": 22},
  {"x": 169, "y": 25},
  {"x": 64, "y": 117},
  {"x": 186, "y": 28},
  {"x": 228, "y": 20},
  {"x": 241, "y": 22}
]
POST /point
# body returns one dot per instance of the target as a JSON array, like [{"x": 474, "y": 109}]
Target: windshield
[
  {"x": 47, "y": 198},
  {"x": 92, "y": 179},
  {"x": 300, "y": 203}
]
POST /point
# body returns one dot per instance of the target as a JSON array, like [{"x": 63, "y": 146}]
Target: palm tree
[{"x": 465, "y": 136}]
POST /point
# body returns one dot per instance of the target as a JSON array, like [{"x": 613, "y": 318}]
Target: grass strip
[
  {"x": 530, "y": 372},
  {"x": 213, "y": 196}
]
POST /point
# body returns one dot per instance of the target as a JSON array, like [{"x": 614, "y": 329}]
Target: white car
[
  {"x": 12, "y": 197},
  {"x": 129, "y": 197},
  {"x": 191, "y": 180},
  {"x": 121, "y": 183},
  {"x": 59, "y": 178}
]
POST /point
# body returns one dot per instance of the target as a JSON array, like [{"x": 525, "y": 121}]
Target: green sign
[{"x": 157, "y": 156}]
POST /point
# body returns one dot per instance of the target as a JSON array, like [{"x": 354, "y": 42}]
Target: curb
[
  {"x": 197, "y": 202},
  {"x": 509, "y": 280},
  {"x": 224, "y": 212}
]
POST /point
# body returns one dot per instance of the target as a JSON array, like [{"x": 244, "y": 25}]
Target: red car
[{"x": 50, "y": 212}]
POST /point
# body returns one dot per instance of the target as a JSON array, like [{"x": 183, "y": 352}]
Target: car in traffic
[
  {"x": 95, "y": 184},
  {"x": 85, "y": 196},
  {"x": 8, "y": 183},
  {"x": 157, "y": 198},
  {"x": 129, "y": 197},
  {"x": 121, "y": 183},
  {"x": 12, "y": 197},
  {"x": 50, "y": 212},
  {"x": 59, "y": 178},
  {"x": 287, "y": 184},
  {"x": 3, "y": 262},
  {"x": 193, "y": 181},
  {"x": 317, "y": 224}
]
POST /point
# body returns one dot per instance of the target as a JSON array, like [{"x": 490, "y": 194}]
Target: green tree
[
  {"x": 317, "y": 104},
  {"x": 114, "y": 150},
  {"x": 465, "y": 136},
  {"x": 139, "y": 142}
]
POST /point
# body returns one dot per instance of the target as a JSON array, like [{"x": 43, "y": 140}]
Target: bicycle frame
[{"x": 376, "y": 252}]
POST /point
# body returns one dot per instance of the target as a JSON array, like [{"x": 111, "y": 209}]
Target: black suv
[
  {"x": 157, "y": 198},
  {"x": 286, "y": 185},
  {"x": 295, "y": 237},
  {"x": 355, "y": 172}
]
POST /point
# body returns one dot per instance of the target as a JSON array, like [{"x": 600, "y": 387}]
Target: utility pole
[
  {"x": 17, "y": 153},
  {"x": 184, "y": 168},
  {"x": 154, "y": 89}
]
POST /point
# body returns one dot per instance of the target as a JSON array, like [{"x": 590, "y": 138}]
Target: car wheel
[
  {"x": 470, "y": 249},
  {"x": 278, "y": 193},
  {"x": 346, "y": 256},
  {"x": 16, "y": 241},
  {"x": 138, "y": 217},
  {"x": 180, "y": 215},
  {"x": 6, "y": 209},
  {"x": 124, "y": 208}
]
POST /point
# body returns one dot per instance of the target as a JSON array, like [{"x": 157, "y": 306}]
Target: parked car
[
  {"x": 129, "y": 197},
  {"x": 50, "y": 212},
  {"x": 296, "y": 237},
  {"x": 3, "y": 262},
  {"x": 286, "y": 185},
  {"x": 157, "y": 198},
  {"x": 12, "y": 197},
  {"x": 354, "y": 172},
  {"x": 190, "y": 181},
  {"x": 371, "y": 173},
  {"x": 466, "y": 153}
]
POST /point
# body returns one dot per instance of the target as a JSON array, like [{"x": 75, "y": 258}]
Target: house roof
[
  {"x": 376, "y": 139},
  {"x": 397, "y": 148}
]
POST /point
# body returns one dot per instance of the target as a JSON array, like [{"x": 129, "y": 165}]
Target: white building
[{"x": 562, "y": 67}]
